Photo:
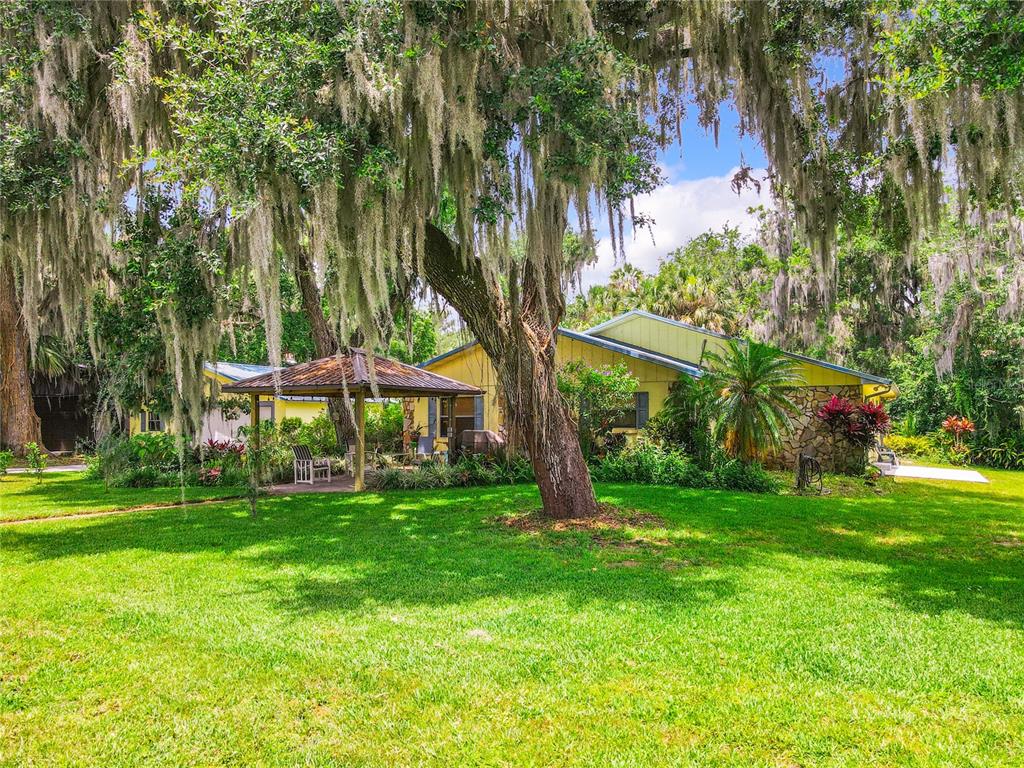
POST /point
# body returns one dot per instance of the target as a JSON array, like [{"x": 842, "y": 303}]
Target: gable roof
[
  {"x": 351, "y": 372},
  {"x": 637, "y": 352},
  {"x": 615, "y": 346},
  {"x": 238, "y": 371},
  {"x": 619, "y": 319}
]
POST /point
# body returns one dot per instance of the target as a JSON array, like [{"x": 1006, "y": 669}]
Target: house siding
[
  {"x": 278, "y": 408},
  {"x": 671, "y": 340},
  {"x": 472, "y": 366}
]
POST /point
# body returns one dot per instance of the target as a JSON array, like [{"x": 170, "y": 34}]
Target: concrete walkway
[
  {"x": 54, "y": 468},
  {"x": 342, "y": 484},
  {"x": 933, "y": 473}
]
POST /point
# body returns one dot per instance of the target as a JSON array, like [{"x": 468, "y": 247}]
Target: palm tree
[
  {"x": 52, "y": 359},
  {"x": 753, "y": 381},
  {"x": 692, "y": 301}
]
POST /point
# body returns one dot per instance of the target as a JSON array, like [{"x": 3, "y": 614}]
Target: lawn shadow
[
  {"x": 939, "y": 549},
  {"x": 944, "y": 548},
  {"x": 332, "y": 552}
]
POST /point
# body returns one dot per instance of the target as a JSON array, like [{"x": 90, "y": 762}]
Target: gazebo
[{"x": 349, "y": 375}]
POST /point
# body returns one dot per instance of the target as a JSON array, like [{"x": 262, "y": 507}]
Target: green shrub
[
  {"x": 915, "y": 446},
  {"x": 648, "y": 462},
  {"x": 686, "y": 420},
  {"x": 1007, "y": 454},
  {"x": 142, "y": 477},
  {"x": 5, "y": 461},
  {"x": 154, "y": 449},
  {"x": 469, "y": 471},
  {"x": 735, "y": 475},
  {"x": 319, "y": 435},
  {"x": 384, "y": 424},
  {"x": 36, "y": 459},
  {"x": 93, "y": 467}
]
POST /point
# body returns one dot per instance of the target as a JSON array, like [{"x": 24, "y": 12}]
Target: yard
[
  {"x": 23, "y": 497},
  {"x": 413, "y": 629}
]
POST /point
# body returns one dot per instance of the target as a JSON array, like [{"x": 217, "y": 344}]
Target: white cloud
[{"x": 681, "y": 211}]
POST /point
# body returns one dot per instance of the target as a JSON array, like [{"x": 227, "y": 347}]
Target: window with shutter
[{"x": 642, "y": 408}]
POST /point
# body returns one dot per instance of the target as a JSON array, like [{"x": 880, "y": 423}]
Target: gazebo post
[
  {"x": 359, "y": 460},
  {"x": 254, "y": 427},
  {"x": 451, "y": 430},
  {"x": 254, "y": 419}
]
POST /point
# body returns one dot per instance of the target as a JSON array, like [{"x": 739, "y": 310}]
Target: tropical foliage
[
  {"x": 687, "y": 418},
  {"x": 753, "y": 409},
  {"x": 647, "y": 462},
  {"x": 596, "y": 397},
  {"x": 859, "y": 423},
  {"x": 469, "y": 470}
]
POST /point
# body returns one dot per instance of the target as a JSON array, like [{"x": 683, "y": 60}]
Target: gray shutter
[
  {"x": 431, "y": 417},
  {"x": 478, "y": 412},
  {"x": 642, "y": 408},
  {"x": 142, "y": 421}
]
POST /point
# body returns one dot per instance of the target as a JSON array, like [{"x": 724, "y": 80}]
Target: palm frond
[{"x": 754, "y": 407}]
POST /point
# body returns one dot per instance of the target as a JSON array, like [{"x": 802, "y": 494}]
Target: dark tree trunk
[
  {"x": 519, "y": 337},
  {"x": 19, "y": 423},
  {"x": 324, "y": 340}
]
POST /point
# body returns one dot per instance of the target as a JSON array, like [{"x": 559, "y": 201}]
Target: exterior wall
[
  {"x": 811, "y": 436},
  {"x": 689, "y": 344},
  {"x": 473, "y": 367},
  {"x": 217, "y": 427},
  {"x": 676, "y": 341},
  {"x": 307, "y": 410}
]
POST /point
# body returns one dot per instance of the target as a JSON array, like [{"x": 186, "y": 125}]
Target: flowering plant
[
  {"x": 958, "y": 427},
  {"x": 209, "y": 475},
  {"x": 860, "y": 424}
]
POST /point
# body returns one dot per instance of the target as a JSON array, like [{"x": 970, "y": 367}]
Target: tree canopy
[{"x": 338, "y": 132}]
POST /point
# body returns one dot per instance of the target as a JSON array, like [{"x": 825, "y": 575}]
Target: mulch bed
[{"x": 608, "y": 518}]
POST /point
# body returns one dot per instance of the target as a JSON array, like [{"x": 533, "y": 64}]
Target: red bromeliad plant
[
  {"x": 957, "y": 427},
  {"x": 874, "y": 418},
  {"x": 837, "y": 413},
  {"x": 860, "y": 424}
]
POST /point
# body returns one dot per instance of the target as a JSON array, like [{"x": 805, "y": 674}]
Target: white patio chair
[
  {"x": 308, "y": 469},
  {"x": 425, "y": 450}
]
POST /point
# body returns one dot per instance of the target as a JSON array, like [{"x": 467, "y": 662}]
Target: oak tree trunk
[
  {"x": 19, "y": 423},
  {"x": 324, "y": 341},
  {"x": 519, "y": 338}
]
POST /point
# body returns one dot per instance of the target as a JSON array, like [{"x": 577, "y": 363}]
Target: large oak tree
[{"x": 343, "y": 133}]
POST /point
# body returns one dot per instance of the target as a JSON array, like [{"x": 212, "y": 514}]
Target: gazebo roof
[{"x": 350, "y": 372}]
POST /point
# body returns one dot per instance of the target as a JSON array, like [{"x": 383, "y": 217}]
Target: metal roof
[
  {"x": 615, "y": 346},
  {"x": 597, "y": 329},
  {"x": 351, "y": 373},
  {"x": 239, "y": 371}
]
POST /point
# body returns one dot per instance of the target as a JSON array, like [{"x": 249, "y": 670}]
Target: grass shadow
[{"x": 936, "y": 549}]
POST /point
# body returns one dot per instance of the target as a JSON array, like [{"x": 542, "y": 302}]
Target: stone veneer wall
[{"x": 811, "y": 436}]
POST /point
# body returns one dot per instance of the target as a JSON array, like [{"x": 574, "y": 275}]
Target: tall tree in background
[
  {"x": 341, "y": 127},
  {"x": 19, "y": 423}
]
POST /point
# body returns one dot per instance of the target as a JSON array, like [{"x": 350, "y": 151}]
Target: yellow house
[
  {"x": 656, "y": 350},
  {"x": 216, "y": 425}
]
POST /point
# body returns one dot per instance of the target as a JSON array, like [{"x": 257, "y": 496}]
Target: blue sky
[
  {"x": 701, "y": 158},
  {"x": 696, "y": 196}
]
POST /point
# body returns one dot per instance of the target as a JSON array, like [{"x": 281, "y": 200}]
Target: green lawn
[
  {"x": 22, "y": 496},
  {"x": 407, "y": 629}
]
